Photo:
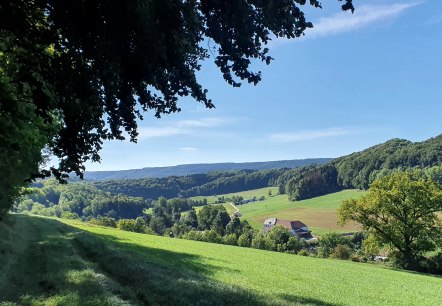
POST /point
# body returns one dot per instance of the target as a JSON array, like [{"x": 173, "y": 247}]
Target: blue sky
[{"x": 352, "y": 82}]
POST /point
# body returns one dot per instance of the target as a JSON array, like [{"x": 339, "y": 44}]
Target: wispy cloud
[
  {"x": 188, "y": 149},
  {"x": 364, "y": 16},
  {"x": 312, "y": 134},
  {"x": 184, "y": 127},
  {"x": 433, "y": 20}
]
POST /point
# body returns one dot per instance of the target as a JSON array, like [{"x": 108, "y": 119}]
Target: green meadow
[
  {"x": 47, "y": 262},
  {"x": 318, "y": 213}
]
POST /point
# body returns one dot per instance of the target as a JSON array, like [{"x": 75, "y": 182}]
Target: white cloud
[
  {"x": 312, "y": 134},
  {"x": 184, "y": 127},
  {"x": 188, "y": 149},
  {"x": 207, "y": 122},
  {"x": 342, "y": 22},
  {"x": 362, "y": 17}
]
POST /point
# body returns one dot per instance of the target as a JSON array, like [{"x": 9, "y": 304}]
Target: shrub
[
  {"x": 433, "y": 264},
  {"x": 69, "y": 215},
  {"x": 230, "y": 239},
  {"x": 244, "y": 241},
  {"x": 104, "y": 221},
  {"x": 329, "y": 242},
  {"x": 213, "y": 236},
  {"x": 259, "y": 242},
  {"x": 194, "y": 235},
  {"x": 303, "y": 252},
  {"x": 342, "y": 252},
  {"x": 370, "y": 246},
  {"x": 294, "y": 245},
  {"x": 127, "y": 225}
]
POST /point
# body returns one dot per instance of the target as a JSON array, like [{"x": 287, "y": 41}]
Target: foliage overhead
[
  {"x": 96, "y": 65},
  {"x": 91, "y": 68}
]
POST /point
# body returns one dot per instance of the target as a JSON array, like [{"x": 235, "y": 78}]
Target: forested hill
[
  {"x": 359, "y": 169},
  {"x": 181, "y": 170},
  {"x": 356, "y": 170},
  {"x": 203, "y": 184}
]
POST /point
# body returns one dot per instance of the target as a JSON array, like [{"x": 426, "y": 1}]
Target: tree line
[
  {"x": 360, "y": 169},
  {"x": 207, "y": 184}
]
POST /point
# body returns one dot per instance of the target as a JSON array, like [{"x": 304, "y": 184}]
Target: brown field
[{"x": 319, "y": 220}]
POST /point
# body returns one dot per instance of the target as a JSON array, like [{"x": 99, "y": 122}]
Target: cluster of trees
[
  {"x": 78, "y": 200},
  {"x": 359, "y": 170},
  {"x": 207, "y": 184},
  {"x": 242, "y": 180},
  {"x": 176, "y": 218}
]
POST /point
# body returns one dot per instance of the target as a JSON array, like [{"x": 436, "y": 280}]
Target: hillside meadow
[
  {"x": 318, "y": 213},
  {"x": 47, "y": 262}
]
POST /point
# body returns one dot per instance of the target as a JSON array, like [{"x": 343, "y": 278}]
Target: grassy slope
[
  {"x": 50, "y": 262},
  {"x": 245, "y": 194},
  {"x": 318, "y": 213}
]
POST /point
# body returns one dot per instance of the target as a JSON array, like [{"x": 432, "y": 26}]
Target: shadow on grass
[{"x": 64, "y": 265}]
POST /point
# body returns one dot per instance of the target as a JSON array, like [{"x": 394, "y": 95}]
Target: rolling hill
[
  {"x": 72, "y": 263},
  {"x": 318, "y": 213},
  {"x": 181, "y": 170}
]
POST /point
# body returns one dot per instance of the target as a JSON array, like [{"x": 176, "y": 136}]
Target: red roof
[{"x": 295, "y": 225}]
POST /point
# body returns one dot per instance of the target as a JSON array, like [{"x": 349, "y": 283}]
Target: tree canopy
[
  {"x": 400, "y": 210},
  {"x": 90, "y": 68}
]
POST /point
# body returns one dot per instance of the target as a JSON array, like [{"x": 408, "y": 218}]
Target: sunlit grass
[{"x": 79, "y": 264}]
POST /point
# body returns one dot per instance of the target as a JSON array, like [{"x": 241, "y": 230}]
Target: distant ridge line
[{"x": 188, "y": 169}]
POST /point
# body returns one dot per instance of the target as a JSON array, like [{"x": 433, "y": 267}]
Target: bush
[
  {"x": 342, "y": 252},
  {"x": 194, "y": 235},
  {"x": 244, "y": 241},
  {"x": 330, "y": 241},
  {"x": 127, "y": 225},
  {"x": 259, "y": 242},
  {"x": 147, "y": 230},
  {"x": 433, "y": 264},
  {"x": 294, "y": 245},
  {"x": 104, "y": 221},
  {"x": 230, "y": 239},
  {"x": 213, "y": 236},
  {"x": 304, "y": 252},
  {"x": 69, "y": 215}
]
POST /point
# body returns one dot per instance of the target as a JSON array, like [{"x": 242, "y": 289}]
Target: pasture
[
  {"x": 47, "y": 262},
  {"x": 318, "y": 213}
]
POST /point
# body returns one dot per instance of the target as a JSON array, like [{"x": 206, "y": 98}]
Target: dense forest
[
  {"x": 211, "y": 183},
  {"x": 359, "y": 169}
]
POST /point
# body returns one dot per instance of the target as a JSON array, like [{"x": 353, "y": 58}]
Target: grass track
[{"x": 75, "y": 264}]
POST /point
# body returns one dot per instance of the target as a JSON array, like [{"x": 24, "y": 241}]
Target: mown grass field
[
  {"x": 47, "y": 262},
  {"x": 318, "y": 213},
  {"x": 245, "y": 194}
]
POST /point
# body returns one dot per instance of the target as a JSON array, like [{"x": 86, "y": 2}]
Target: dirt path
[{"x": 236, "y": 212}]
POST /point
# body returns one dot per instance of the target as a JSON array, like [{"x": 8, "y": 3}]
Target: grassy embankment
[
  {"x": 47, "y": 262},
  {"x": 318, "y": 213}
]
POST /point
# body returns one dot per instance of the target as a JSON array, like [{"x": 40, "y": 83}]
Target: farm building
[{"x": 297, "y": 228}]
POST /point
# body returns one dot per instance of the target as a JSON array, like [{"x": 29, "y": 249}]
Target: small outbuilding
[{"x": 297, "y": 228}]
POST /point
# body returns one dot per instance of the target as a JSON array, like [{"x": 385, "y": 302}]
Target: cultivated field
[
  {"x": 46, "y": 262},
  {"x": 318, "y": 213}
]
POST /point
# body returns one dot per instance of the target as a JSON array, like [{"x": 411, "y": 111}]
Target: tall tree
[
  {"x": 400, "y": 210},
  {"x": 93, "y": 66}
]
